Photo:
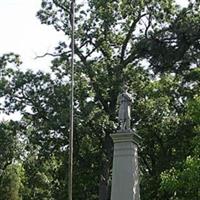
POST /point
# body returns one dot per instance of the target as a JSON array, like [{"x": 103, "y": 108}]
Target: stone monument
[
  {"x": 124, "y": 100},
  {"x": 125, "y": 172}
]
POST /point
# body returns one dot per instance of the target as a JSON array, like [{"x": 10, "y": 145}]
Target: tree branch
[
  {"x": 147, "y": 164},
  {"x": 90, "y": 74},
  {"x": 128, "y": 36},
  {"x": 130, "y": 58},
  {"x": 61, "y": 6},
  {"x": 49, "y": 54},
  {"x": 98, "y": 45},
  {"x": 147, "y": 27}
]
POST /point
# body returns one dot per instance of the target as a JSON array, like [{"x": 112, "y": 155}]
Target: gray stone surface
[
  {"x": 124, "y": 115},
  {"x": 125, "y": 173}
]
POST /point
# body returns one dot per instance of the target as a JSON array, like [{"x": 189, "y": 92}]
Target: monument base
[{"x": 125, "y": 173}]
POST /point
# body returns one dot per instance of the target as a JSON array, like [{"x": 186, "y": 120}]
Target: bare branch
[
  {"x": 148, "y": 26},
  {"x": 47, "y": 54},
  {"x": 130, "y": 58},
  {"x": 52, "y": 54},
  {"x": 91, "y": 52},
  {"x": 80, "y": 55}
]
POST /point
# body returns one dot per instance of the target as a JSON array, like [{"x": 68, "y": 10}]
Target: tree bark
[
  {"x": 104, "y": 192},
  {"x": 104, "y": 184}
]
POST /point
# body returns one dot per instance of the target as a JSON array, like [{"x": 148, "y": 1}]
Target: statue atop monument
[{"x": 124, "y": 116}]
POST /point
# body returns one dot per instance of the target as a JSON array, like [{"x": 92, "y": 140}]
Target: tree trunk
[
  {"x": 104, "y": 184},
  {"x": 104, "y": 192}
]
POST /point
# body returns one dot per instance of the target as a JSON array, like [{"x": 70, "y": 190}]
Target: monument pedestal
[{"x": 125, "y": 173}]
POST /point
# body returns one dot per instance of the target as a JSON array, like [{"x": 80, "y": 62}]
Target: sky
[{"x": 22, "y": 33}]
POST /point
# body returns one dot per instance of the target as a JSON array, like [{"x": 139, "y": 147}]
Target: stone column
[{"x": 125, "y": 172}]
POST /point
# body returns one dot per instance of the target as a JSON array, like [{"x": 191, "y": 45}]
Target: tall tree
[{"x": 153, "y": 46}]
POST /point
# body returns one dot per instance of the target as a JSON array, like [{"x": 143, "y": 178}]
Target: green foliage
[
  {"x": 153, "y": 46},
  {"x": 184, "y": 181},
  {"x": 11, "y": 185},
  {"x": 10, "y": 147},
  {"x": 44, "y": 178}
]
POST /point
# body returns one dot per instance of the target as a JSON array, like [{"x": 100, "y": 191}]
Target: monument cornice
[{"x": 122, "y": 136}]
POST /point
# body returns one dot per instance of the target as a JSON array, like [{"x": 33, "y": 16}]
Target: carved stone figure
[{"x": 124, "y": 116}]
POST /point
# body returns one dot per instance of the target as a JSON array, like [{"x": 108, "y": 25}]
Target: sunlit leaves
[{"x": 183, "y": 183}]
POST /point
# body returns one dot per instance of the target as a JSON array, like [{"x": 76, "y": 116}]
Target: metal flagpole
[{"x": 71, "y": 136}]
